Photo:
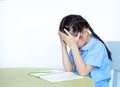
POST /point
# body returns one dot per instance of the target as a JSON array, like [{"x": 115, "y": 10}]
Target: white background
[{"x": 29, "y": 28}]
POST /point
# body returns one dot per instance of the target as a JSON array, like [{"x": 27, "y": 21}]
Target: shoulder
[
  {"x": 97, "y": 49},
  {"x": 96, "y": 54},
  {"x": 97, "y": 45}
]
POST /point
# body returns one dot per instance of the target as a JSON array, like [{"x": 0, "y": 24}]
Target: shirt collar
[{"x": 89, "y": 44}]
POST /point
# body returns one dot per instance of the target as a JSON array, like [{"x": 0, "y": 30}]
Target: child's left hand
[{"x": 69, "y": 39}]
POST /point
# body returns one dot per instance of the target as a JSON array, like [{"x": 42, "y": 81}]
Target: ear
[{"x": 85, "y": 30}]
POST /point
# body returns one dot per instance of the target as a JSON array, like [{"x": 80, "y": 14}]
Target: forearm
[
  {"x": 66, "y": 61},
  {"x": 80, "y": 64}
]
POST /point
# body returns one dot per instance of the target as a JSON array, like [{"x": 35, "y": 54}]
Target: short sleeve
[
  {"x": 71, "y": 56},
  {"x": 72, "y": 60},
  {"x": 95, "y": 55}
]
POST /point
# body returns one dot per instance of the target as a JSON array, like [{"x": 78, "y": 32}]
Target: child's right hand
[{"x": 61, "y": 40}]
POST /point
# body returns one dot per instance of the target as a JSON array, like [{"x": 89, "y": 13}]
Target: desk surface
[{"x": 18, "y": 77}]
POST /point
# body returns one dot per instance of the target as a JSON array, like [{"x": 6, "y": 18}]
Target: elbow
[
  {"x": 83, "y": 73},
  {"x": 68, "y": 70}
]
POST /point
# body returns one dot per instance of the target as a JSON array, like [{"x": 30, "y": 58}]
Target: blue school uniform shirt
[{"x": 94, "y": 53}]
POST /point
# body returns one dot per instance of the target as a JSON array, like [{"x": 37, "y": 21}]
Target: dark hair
[{"x": 77, "y": 23}]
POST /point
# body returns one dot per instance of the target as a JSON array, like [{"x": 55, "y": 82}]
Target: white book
[{"x": 56, "y": 75}]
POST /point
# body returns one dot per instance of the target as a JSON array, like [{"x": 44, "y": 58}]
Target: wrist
[
  {"x": 74, "y": 47},
  {"x": 63, "y": 46}
]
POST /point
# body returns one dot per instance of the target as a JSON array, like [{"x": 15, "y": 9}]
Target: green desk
[{"x": 18, "y": 77}]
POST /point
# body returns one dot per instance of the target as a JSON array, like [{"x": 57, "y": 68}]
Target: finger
[
  {"x": 63, "y": 34},
  {"x": 78, "y": 35},
  {"x": 60, "y": 33},
  {"x": 65, "y": 37},
  {"x": 67, "y": 32}
]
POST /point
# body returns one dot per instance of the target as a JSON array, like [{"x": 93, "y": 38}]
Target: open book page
[
  {"x": 46, "y": 72},
  {"x": 57, "y": 75}
]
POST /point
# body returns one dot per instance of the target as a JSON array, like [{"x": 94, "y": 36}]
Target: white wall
[{"x": 28, "y": 28}]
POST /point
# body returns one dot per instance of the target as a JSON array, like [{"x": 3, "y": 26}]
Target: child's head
[{"x": 73, "y": 23}]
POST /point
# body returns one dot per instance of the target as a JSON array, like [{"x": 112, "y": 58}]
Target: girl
[{"x": 89, "y": 56}]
